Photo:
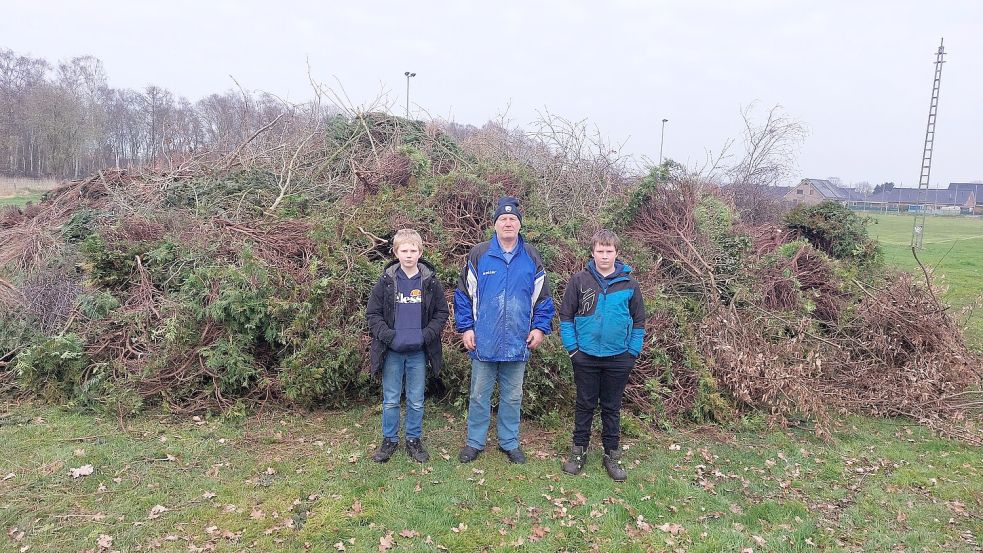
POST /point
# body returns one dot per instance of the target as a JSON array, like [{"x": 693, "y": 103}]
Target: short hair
[
  {"x": 407, "y": 236},
  {"x": 605, "y": 237}
]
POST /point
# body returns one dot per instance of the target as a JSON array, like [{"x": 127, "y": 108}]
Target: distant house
[
  {"x": 814, "y": 191},
  {"x": 958, "y": 198},
  {"x": 976, "y": 189}
]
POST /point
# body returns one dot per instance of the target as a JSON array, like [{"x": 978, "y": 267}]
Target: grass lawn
[
  {"x": 953, "y": 246},
  {"x": 303, "y": 482},
  {"x": 21, "y": 199}
]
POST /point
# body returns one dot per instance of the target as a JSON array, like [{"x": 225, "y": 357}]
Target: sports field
[{"x": 953, "y": 247}]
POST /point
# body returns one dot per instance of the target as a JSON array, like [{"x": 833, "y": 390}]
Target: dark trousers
[{"x": 600, "y": 379}]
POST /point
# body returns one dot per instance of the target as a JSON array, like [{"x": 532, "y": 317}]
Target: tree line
[{"x": 65, "y": 121}]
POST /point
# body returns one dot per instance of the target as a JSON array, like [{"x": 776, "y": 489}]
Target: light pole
[
  {"x": 661, "y": 142},
  {"x": 408, "y": 75}
]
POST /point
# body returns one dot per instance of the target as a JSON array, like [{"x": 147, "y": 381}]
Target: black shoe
[
  {"x": 468, "y": 454},
  {"x": 385, "y": 451},
  {"x": 416, "y": 450},
  {"x": 612, "y": 463},
  {"x": 516, "y": 456},
  {"x": 577, "y": 460}
]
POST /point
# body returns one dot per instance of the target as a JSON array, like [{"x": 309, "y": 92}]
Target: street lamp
[
  {"x": 661, "y": 142},
  {"x": 408, "y": 75}
]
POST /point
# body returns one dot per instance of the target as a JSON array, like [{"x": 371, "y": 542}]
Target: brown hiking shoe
[
  {"x": 612, "y": 463},
  {"x": 577, "y": 460}
]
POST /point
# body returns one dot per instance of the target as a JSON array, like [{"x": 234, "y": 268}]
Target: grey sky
[{"x": 858, "y": 74}]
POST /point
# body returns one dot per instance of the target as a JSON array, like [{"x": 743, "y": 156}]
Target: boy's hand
[
  {"x": 535, "y": 338},
  {"x": 468, "y": 339}
]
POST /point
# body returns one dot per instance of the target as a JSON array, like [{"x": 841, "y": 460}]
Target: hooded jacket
[
  {"x": 381, "y": 314},
  {"x": 603, "y": 316},
  {"x": 503, "y": 301}
]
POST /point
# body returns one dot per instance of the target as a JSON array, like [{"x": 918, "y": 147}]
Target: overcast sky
[{"x": 857, "y": 74}]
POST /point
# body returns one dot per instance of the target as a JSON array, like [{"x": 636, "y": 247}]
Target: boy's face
[
  {"x": 604, "y": 257},
  {"x": 408, "y": 254}
]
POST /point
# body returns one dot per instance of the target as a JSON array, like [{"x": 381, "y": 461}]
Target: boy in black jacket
[
  {"x": 602, "y": 324},
  {"x": 406, "y": 315}
]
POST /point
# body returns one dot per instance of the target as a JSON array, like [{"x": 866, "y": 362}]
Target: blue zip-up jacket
[
  {"x": 603, "y": 316},
  {"x": 503, "y": 301}
]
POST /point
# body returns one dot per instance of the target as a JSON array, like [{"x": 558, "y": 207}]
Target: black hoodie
[{"x": 381, "y": 314}]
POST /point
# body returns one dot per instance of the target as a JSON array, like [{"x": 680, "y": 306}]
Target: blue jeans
[
  {"x": 412, "y": 366},
  {"x": 484, "y": 375}
]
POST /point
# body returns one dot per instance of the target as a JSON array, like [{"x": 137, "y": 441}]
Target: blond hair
[
  {"x": 605, "y": 237},
  {"x": 407, "y": 236}
]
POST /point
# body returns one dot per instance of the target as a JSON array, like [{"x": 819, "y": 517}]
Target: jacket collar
[
  {"x": 496, "y": 249},
  {"x": 426, "y": 269},
  {"x": 621, "y": 272}
]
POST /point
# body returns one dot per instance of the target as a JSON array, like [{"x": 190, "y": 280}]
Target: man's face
[
  {"x": 604, "y": 257},
  {"x": 507, "y": 227},
  {"x": 408, "y": 254}
]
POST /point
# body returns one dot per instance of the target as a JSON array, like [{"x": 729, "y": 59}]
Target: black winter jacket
[{"x": 381, "y": 314}]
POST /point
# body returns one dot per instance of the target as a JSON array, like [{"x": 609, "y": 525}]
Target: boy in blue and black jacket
[{"x": 602, "y": 324}]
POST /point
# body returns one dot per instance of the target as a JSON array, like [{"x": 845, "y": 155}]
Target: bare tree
[{"x": 770, "y": 148}]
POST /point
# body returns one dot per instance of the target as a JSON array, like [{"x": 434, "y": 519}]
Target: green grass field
[
  {"x": 303, "y": 482},
  {"x": 19, "y": 191},
  {"x": 953, "y": 247},
  {"x": 23, "y": 199}
]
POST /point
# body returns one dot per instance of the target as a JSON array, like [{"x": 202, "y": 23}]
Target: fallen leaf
[
  {"x": 208, "y": 495},
  {"x": 670, "y": 528},
  {"x": 257, "y": 514},
  {"x": 270, "y": 471},
  {"x": 84, "y": 470},
  {"x": 79, "y": 452},
  {"x": 8, "y": 476},
  {"x": 758, "y": 540},
  {"x": 156, "y": 511},
  {"x": 104, "y": 541},
  {"x": 356, "y": 508},
  {"x": 386, "y": 542},
  {"x": 407, "y": 533},
  {"x": 538, "y": 533},
  {"x": 339, "y": 546}
]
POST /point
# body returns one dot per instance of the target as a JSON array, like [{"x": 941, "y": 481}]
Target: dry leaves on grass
[
  {"x": 84, "y": 470},
  {"x": 386, "y": 542}
]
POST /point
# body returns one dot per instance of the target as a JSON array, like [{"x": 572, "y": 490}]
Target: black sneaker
[
  {"x": 416, "y": 450},
  {"x": 468, "y": 454},
  {"x": 612, "y": 463},
  {"x": 516, "y": 456},
  {"x": 577, "y": 460},
  {"x": 385, "y": 451}
]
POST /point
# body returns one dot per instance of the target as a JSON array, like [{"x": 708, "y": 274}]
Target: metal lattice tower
[{"x": 918, "y": 231}]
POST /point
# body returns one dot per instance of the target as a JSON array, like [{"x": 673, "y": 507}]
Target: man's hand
[
  {"x": 468, "y": 339},
  {"x": 535, "y": 338}
]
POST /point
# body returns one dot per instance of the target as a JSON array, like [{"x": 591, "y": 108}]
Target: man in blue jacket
[{"x": 503, "y": 308}]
